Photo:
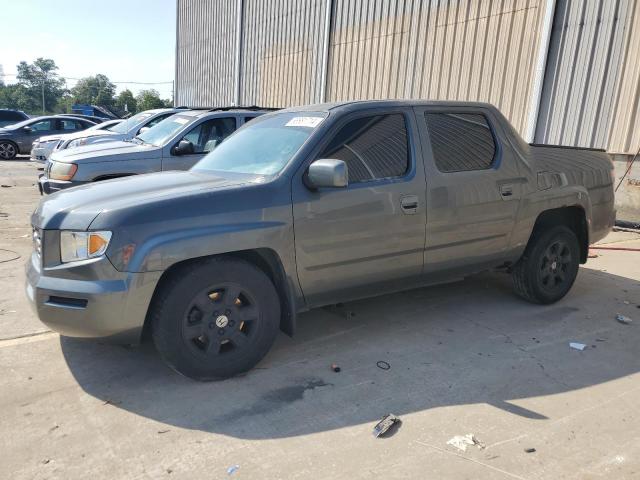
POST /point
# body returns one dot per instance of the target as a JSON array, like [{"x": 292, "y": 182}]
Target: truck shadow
[{"x": 468, "y": 342}]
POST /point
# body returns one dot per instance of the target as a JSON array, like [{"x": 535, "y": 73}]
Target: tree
[
  {"x": 148, "y": 99},
  {"x": 41, "y": 84},
  {"x": 96, "y": 90},
  {"x": 126, "y": 99}
]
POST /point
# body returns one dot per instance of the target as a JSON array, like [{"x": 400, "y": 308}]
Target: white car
[
  {"x": 43, "y": 147},
  {"x": 125, "y": 130}
]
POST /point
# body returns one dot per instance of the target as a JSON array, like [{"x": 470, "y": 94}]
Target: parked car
[
  {"x": 176, "y": 143},
  {"x": 91, "y": 118},
  {"x": 42, "y": 147},
  {"x": 123, "y": 131},
  {"x": 9, "y": 117},
  {"x": 18, "y": 138},
  {"x": 313, "y": 206}
]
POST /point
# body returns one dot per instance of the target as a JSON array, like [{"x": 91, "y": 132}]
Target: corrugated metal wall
[
  {"x": 583, "y": 74},
  {"x": 282, "y": 52},
  {"x": 205, "y": 52},
  {"x": 460, "y": 50}
]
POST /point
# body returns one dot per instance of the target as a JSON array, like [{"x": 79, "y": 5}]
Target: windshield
[
  {"x": 129, "y": 123},
  {"x": 264, "y": 146},
  {"x": 163, "y": 131}
]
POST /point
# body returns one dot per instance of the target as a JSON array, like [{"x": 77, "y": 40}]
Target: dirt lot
[{"x": 465, "y": 358}]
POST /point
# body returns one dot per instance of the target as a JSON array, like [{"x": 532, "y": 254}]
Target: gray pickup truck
[{"x": 307, "y": 207}]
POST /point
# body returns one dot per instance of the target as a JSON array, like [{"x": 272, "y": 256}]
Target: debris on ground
[
  {"x": 232, "y": 469},
  {"x": 577, "y": 346},
  {"x": 623, "y": 319},
  {"x": 592, "y": 254},
  {"x": 383, "y": 365},
  {"x": 385, "y": 425},
  {"x": 160, "y": 432},
  {"x": 626, "y": 302},
  {"x": 461, "y": 442},
  {"x": 335, "y": 368},
  {"x": 529, "y": 450}
]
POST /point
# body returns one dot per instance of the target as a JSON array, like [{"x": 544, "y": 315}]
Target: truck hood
[
  {"x": 105, "y": 151},
  {"x": 76, "y": 208}
]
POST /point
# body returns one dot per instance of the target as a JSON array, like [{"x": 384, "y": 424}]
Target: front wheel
[
  {"x": 8, "y": 151},
  {"x": 216, "y": 319},
  {"x": 549, "y": 266}
]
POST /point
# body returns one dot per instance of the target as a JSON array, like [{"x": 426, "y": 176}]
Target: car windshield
[
  {"x": 124, "y": 127},
  {"x": 264, "y": 146},
  {"x": 163, "y": 131}
]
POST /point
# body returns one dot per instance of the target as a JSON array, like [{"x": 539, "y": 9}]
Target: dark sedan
[{"x": 17, "y": 138}]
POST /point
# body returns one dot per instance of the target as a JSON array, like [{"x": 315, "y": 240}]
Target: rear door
[
  {"x": 365, "y": 238},
  {"x": 204, "y": 136},
  {"x": 474, "y": 188}
]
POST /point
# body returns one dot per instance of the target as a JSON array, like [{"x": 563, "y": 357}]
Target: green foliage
[
  {"x": 126, "y": 98},
  {"x": 97, "y": 90},
  {"x": 148, "y": 99},
  {"x": 26, "y": 94},
  {"x": 32, "y": 80}
]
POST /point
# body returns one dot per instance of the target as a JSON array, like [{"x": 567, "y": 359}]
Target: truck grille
[{"x": 37, "y": 242}]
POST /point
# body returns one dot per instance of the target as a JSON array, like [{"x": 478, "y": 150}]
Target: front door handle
[{"x": 409, "y": 204}]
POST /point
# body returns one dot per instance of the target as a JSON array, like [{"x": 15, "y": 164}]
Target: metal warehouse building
[{"x": 564, "y": 72}]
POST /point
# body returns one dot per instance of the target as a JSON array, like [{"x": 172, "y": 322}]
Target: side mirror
[
  {"x": 142, "y": 130},
  {"x": 184, "y": 147},
  {"x": 27, "y": 129},
  {"x": 327, "y": 172}
]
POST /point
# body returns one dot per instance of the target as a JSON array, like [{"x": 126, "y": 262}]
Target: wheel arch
[
  {"x": 267, "y": 260},
  {"x": 574, "y": 217},
  {"x": 14, "y": 143}
]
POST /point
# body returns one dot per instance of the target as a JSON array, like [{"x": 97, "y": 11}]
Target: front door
[
  {"x": 474, "y": 188},
  {"x": 204, "y": 137},
  {"x": 35, "y": 131},
  {"x": 364, "y": 238}
]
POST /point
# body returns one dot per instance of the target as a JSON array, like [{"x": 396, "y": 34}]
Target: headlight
[
  {"x": 75, "y": 246},
  {"x": 62, "y": 171},
  {"x": 78, "y": 142}
]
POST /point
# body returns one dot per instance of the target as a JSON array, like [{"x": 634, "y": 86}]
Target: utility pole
[{"x": 43, "y": 79}]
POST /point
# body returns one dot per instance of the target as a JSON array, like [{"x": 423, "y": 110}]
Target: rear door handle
[
  {"x": 506, "y": 190},
  {"x": 409, "y": 204}
]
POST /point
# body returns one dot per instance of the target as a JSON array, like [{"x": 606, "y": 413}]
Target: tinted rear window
[{"x": 460, "y": 141}]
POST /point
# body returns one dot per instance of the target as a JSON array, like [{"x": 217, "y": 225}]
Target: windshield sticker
[
  {"x": 309, "y": 122},
  {"x": 181, "y": 121}
]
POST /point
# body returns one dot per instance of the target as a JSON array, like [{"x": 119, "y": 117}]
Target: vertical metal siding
[
  {"x": 585, "y": 72},
  {"x": 457, "y": 50},
  {"x": 205, "y": 52},
  {"x": 282, "y": 52},
  {"x": 625, "y": 127}
]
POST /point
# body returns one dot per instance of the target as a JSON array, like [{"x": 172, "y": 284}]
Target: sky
[{"x": 128, "y": 41}]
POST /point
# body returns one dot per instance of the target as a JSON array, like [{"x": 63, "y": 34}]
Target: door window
[
  {"x": 461, "y": 141},
  {"x": 373, "y": 147},
  {"x": 70, "y": 125},
  {"x": 41, "y": 126},
  {"x": 208, "y": 135}
]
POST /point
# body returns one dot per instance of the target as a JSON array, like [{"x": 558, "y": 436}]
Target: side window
[
  {"x": 157, "y": 120},
  {"x": 70, "y": 125},
  {"x": 42, "y": 126},
  {"x": 372, "y": 147},
  {"x": 460, "y": 141},
  {"x": 208, "y": 135}
]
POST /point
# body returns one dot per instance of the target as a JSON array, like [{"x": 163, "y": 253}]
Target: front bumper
[
  {"x": 90, "y": 299},
  {"x": 47, "y": 186}
]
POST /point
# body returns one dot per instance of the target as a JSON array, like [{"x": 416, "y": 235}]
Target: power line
[{"x": 110, "y": 81}]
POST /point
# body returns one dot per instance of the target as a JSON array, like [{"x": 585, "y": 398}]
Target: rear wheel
[
  {"x": 549, "y": 266},
  {"x": 8, "y": 151},
  {"x": 216, "y": 319}
]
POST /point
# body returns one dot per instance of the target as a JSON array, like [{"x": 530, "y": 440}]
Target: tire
[
  {"x": 8, "y": 150},
  {"x": 215, "y": 319},
  {"x": 549, "y": 266}
]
